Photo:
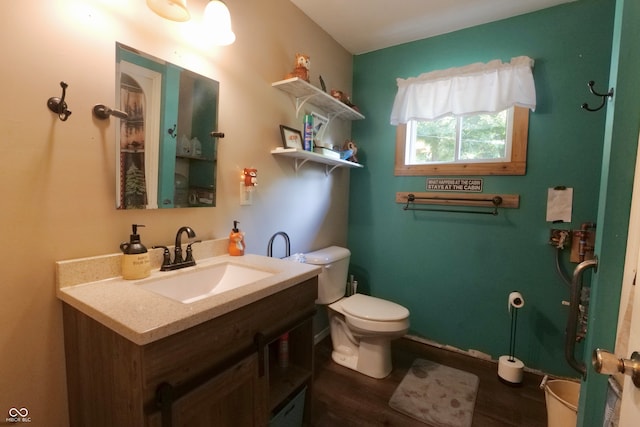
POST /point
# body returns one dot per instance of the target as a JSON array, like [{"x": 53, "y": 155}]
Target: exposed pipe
[
  {"x": 561, "y": 273},
  {"x": 574, "y": 312},
  {"x": 584, "y": 237}
]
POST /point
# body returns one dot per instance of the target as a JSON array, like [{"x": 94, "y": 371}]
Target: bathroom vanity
[{"x": 211, "y": 362}]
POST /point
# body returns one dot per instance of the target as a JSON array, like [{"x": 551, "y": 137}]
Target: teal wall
[{"x": 454, "y": 271}]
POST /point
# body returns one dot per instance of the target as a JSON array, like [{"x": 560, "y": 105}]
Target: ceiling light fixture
[
  {"x": 175, "y": 10},
  {"x": 218, "y": 20}
]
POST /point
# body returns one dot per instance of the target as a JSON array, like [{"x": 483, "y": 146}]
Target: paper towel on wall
[{"x": 559, "y": 204}]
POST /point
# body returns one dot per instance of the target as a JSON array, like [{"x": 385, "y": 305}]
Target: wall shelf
[
  {"x": 304, "y": 92},
  {"x": 301, "y": 157}
]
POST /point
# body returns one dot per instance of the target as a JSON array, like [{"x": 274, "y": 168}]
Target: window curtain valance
[{"x": 475, "y": 88}]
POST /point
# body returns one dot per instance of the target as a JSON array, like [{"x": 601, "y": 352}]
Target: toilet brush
[{"x": 510, "y": 368}]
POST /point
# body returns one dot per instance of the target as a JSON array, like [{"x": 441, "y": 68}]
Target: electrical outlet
[{"x": 559, "y": 238}]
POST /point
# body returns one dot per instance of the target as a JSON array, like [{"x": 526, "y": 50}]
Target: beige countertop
[{"x": 95, "y": 287}]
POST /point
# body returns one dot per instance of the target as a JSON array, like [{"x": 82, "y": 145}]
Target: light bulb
[
  {"x": 218, "y": 21},
  {"x": 174, "y": 10}
]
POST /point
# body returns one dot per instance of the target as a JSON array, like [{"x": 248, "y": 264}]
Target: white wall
[{"x": 57, "y": 178}]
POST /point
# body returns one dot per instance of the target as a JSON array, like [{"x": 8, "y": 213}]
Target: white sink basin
[{"x": 192, "y": 285}]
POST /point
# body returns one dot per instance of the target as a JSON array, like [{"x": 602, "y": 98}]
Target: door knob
[{"x": 608, "y": 363}]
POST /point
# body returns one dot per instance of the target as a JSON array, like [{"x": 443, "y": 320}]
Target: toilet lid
[{"x": 373, "y": 308}]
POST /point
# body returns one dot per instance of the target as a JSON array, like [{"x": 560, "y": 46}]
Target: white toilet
[{"x": 362, "y": 326}]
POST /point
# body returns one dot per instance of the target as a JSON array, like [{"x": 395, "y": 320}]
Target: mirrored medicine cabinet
[{"x": 165, "y": 151}]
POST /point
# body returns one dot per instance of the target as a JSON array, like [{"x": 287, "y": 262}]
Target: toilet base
[
  {"x": 364, "y": 350},
  {"x": 348, "y": 361},
  {"x": 372, "y": 357}
]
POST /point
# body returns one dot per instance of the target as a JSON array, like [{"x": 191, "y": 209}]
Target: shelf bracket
[
  {"x": 336, "y": 114},
  {"x": 328, "y": 171},
  {"x": 300, "y": 101},
  {"x": 299, "y": 163}
]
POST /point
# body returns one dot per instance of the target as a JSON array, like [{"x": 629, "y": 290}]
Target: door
[
  {"x": 629, "y": 318},
  {"x": 630, "y": 405},
  {"x": 628, "y": 335}
]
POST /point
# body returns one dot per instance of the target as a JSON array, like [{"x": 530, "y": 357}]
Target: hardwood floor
[{"x": 345, "y": 398}]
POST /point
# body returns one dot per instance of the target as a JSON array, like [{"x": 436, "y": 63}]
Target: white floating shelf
[
  {"x": 301, "y": 157},
  {"x": 304, "y": 92}
]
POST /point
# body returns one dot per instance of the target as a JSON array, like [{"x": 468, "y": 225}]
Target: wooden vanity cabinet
[{"x": 222, "y": 372}]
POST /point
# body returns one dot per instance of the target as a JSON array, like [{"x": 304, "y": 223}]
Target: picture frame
[{"x": 291, "y": 138}]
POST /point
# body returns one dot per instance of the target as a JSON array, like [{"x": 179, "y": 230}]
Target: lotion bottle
[
  {"x": 236, "y": 241},
  {"x": 135, "y": 261}
]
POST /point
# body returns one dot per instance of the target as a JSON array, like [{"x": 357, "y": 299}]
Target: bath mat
[{"x": 436, "y": 394}]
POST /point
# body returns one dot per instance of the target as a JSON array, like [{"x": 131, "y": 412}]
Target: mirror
[{"x": 166, "y": 148}]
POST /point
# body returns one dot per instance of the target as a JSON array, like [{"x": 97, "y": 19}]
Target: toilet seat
[
  {"x": 371, "y": 314},
  {"x": 372, "y": 308}
]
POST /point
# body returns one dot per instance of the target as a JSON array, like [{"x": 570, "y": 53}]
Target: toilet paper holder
[{"x": 607, "y": 363}]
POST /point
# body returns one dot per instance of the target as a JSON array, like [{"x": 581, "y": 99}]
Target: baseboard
[{"x": 472, "y": 353}]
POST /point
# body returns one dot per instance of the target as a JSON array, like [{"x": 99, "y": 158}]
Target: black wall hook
[
  {"x": 58, "y": 105},
  {"x": 172, "y": 131},
  {"x": 604, "y": 96}
]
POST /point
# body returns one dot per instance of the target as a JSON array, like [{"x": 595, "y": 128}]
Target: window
[
  {"x": 473, "y": 138},
  {"x": 480, "y": 144}
]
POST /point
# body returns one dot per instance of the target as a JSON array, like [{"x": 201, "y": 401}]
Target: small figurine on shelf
[
  {"x": 344, "y": 98},
  {"x": 350, "y": 147},
  {"x": 338, "y": 94},
  {"x": 302, "y": 66}
]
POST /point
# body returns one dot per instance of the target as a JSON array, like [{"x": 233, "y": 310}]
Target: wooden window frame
[{"x": 517, "y": 165}]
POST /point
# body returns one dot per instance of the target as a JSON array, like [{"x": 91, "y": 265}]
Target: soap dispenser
[
  {"x": 135, "y": 261},
  {"x": 236, "y": 241}
]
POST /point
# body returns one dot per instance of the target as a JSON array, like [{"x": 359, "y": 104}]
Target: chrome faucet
[
  {"x": 178, "y": 261},
  {"x": 286, "y": 240}
]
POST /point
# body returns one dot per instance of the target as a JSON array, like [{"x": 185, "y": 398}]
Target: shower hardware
[
  {"x": 58, "y": 105},
  {"x": 604, "y": 97},
  {"x": 103, "y": 112},
  {"x": 571, "y": 336}
]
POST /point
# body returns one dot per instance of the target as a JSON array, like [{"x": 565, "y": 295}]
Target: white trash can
[{"x": 561, "y": 397}]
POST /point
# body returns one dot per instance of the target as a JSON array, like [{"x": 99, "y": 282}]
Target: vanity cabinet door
[{"x": 235, "y": 397}]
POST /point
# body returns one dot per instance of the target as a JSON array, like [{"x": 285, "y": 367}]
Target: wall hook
[
  {"x": 58, "y": 105},
  {"x": 172, "y": 131},
  {"x": 215, "y": 134},
  {"x": 604, "y": 96},
  {"x": 103, "y": 112}
]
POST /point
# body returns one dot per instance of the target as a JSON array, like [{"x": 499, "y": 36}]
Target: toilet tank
[{"x": 332, "y": 281}]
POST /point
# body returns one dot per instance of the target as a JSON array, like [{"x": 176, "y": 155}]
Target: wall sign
[{"x": 455, "y": 184}]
